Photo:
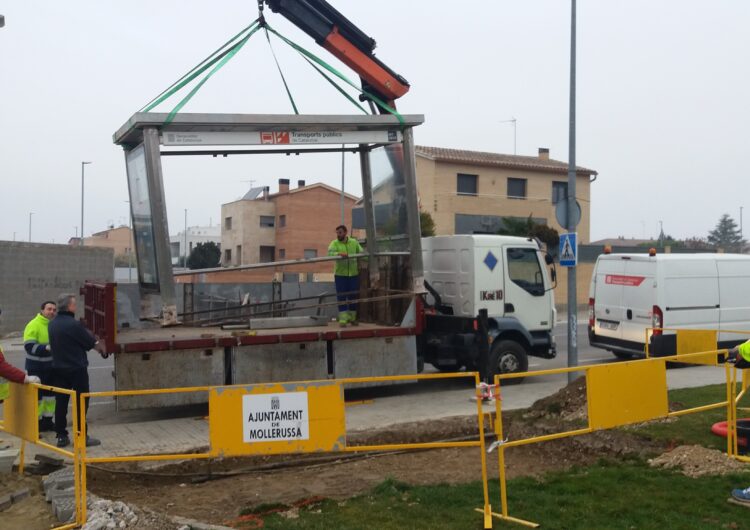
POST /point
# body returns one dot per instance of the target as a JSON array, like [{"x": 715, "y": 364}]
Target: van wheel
[{"x": 508, "y": 357}]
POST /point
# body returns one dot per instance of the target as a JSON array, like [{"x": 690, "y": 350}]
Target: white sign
[
  {"x": 275, "y": 417},
  {"x": 569, "y": 249},
  {"x": 279, "y": 137}
]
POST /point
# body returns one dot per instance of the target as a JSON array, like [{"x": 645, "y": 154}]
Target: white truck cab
[
  {"x": 631, "y": 293},
  {"x": 505, "y": 275}
]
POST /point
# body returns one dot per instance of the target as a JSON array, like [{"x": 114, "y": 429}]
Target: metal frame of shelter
[{"x": 145, "y": 134}]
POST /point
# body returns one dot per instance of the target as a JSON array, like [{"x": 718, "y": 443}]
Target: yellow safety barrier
[
  {"x": 696, "y": 341},
  {"x": 20, "y": 419},
  {"x": 611, "y": 403},
  {"x": 284, "y": 418}
]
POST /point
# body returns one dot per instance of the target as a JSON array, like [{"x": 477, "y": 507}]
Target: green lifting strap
[
  {"x": 338, "y": 74},
  {"x": 201, "y": 67},
  {"x": 335, "y": 85},
  {"x": 283, "y": 79},
  {"x": 224, "y": 60}
]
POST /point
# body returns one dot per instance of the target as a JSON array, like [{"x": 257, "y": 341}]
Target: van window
[{"x": 524, "y": 270}]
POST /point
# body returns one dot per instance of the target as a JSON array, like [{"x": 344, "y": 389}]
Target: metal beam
[{"x": 412, "y": 211}]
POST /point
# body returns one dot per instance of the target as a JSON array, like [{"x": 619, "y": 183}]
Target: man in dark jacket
[{"x": 70, "y": 341}]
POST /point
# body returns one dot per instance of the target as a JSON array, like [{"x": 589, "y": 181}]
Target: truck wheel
[{"x": 507, "y": 357}]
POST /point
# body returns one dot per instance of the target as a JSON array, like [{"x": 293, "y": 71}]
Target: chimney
[
  {"x": 266, "y": 191},
  {"x": 300, "y": 183},
  {"x": 544, "y": 153},
  {"x": 283, "y": 185}
]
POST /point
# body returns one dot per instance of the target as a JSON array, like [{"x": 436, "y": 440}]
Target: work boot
[
  {"x": 353, "y": 318},
  {"x": 63, "y": 441},
  {"x": 343, "y": 318},
  {"x": 92, "y": 442},
  {"x": 742, "y": 495},
  {"x": 46, "y": 425}
]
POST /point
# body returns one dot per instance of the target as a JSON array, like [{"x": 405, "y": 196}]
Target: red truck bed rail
[{"x": 100, "y": 311}]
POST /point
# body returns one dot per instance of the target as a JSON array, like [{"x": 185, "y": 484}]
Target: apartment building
[{"x": 473, "y": 191}]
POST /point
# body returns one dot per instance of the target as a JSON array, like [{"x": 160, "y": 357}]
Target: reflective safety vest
[
  {"x": 4, "y": 389},
  {"x": 744, "y": 350},
  {"x": 345, "y": 267}
]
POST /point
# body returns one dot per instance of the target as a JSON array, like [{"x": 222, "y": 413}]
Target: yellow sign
[
  {"x": 696, "y": 341},
  {"x": 626, "y": 393},
  {"x": 277, "y": 418},
  {"x": 20, "y": 411}
]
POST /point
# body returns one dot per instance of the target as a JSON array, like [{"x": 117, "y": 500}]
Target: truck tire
[{"x": 506, "y": 357}]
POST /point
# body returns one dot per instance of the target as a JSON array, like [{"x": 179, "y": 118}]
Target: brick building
[
  {"x": 472, "y": 191},
  {"x": 290, "y": 224}
]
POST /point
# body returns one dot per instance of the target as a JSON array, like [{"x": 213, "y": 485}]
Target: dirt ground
[
  {"x": 696, "y": 461},
  {"x": 31, "y": 513},
  {"x": 216, "y": 491}
]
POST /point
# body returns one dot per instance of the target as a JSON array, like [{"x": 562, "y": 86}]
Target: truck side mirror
[
  {"x": 553, "y": 275},
  {"x": 548, "y": 259}
]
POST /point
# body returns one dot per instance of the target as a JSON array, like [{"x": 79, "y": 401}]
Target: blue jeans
[{"x": 350, "y": 285}]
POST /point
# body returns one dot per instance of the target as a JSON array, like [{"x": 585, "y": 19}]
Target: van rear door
[
  {"x": 734, "y": 298},
  {"x": 638, "y": 297},
  {"x": 608, "y": 304}
]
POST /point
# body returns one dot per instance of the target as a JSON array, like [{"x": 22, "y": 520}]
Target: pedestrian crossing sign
[{"x": 569, "y": 249}]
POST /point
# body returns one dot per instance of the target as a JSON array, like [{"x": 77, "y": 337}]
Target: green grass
[
  {"x": 691, "y": 428},
  {"x": 626, "y": 495},
  {"x": 605, "y": 496}
]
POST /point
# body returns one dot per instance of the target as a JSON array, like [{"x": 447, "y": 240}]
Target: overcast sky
[{"x": 663, "y": 106}]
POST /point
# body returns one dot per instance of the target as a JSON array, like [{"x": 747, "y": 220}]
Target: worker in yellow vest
[
  {"x": 740, "y": 355},
  {"x": 346, "y": 274},
  {"x": 39, "y": 361},
  {"x": 8, "y": 372}
]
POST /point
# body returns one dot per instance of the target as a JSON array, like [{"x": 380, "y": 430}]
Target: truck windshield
[{"x": 525, "y": 271}]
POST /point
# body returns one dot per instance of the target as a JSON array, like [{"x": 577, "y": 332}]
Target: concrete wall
[{"x": 31, "y": 273}]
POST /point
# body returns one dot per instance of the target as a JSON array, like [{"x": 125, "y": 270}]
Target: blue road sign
[{"x": 569, "y": 249}]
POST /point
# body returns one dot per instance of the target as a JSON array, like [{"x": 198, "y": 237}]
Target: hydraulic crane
[{"x": 337, "y": 34}]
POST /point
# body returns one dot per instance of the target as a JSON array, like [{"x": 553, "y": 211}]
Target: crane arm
[{"x": 337, "y": 34}]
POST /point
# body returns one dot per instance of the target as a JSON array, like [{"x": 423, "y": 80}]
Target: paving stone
[
  {"x": 5, "y": 502},
  {"x": 65, "y": 510},
  {"x": 20, "y": 494}
]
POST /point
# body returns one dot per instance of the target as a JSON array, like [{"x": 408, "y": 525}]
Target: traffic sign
[
  {"x": 569, "y": 249},
  {"x": 561, "y": 213}
]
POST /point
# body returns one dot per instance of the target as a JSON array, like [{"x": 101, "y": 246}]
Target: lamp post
[
  {"x": 185, "y": 252},
  {"x": 83, "y": 167},
  {"x": 572, "y": 288},
  {"x": 30, "y": 214}
]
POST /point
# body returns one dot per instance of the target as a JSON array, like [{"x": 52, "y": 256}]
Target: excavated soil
[
  {"x": 31, "y": 513},
  {"x": 216, "y": 491},
  {"x": 696, "y": 461}
]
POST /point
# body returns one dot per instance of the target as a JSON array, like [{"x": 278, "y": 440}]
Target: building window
[
  {"x": 559, "y": 191},
  {"x": 267, "y": 254},
  {"x": 466, "y": 184},
  {"x": 282, "y": 253},
  {"x": 227, "y": 223},
  {"x": 228, "y": 256},
  {"x": 516, "y": 188},
  {"x": 311, "y": 253},
  {"x": 282, "y": 221},
  {"x": 267, "y": 221}
]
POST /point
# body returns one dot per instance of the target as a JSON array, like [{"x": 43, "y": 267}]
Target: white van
[
  {"x": 505, "y": 275},
  {"x": 632, "y": 292}
]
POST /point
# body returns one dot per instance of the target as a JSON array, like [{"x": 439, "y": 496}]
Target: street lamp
[
  {"x": 83, "y": 166},
  {"x": 185, "y": 251},
  {"x": 30, "y": 214}
]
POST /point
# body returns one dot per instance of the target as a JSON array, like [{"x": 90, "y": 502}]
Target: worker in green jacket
[
  {"x": 39, "y": 361},
  {"x": 346, "y": 274}
]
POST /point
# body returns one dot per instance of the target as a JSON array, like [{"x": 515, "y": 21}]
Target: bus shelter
[{"x": 385, "y": 145}]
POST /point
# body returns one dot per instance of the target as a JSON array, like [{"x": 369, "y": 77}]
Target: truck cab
[{"x": 504, "y": 275}]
